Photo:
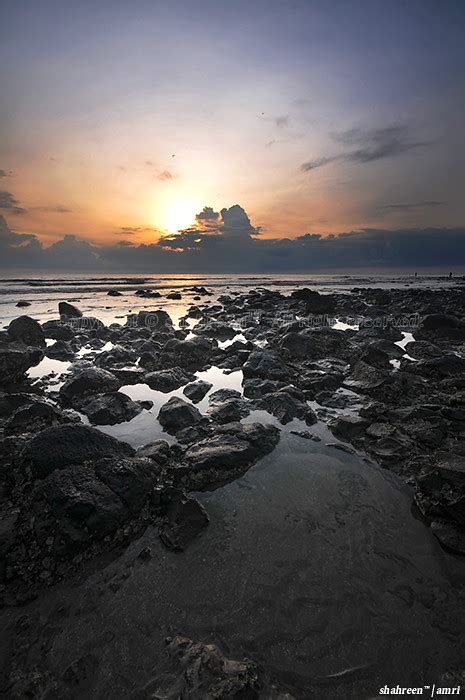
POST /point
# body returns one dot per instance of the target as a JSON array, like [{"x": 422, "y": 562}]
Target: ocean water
[{"x": 90, "y": 291}]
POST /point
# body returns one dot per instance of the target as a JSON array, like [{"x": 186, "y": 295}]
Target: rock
[
  {"x": 286, "y": 404},
  {"x": 92, "y": 380},
  {"x": 449, "y": 535},
  {"x": 375, "y": 357},
  {"x": 57, "y": 330},
  {"x": 230, "y": 410},
  {"x": 68, "y": 310},
  {"x": 8, "y": 524},
  {"x": 25, "y": 416},
  {"x": 75, "y": 494},
  {"x": 114, "y": 293},
  {"x": 21, "y": 303},
  {"x": 117, "y": 355},
  {"x": 447, "y": 365},
  {"x": 129, "y": 375},
  {"x": 422, "y": 350},
  {"x": 202, "y": 671},
  {"x": 316, "y": 343},
  {"x": 174, "y": 295},
  {"x": 177, "y": 414},
  {"x": 265, "y": 364},
  {"x": 158, "y": 451},
  {"x": 166, "y": 380},
  {"x": 228, "y": 453},
  {"x": 186, "y": 518},
  {"x": 348, "y": 427},
  {"x": 191, "y": 354},
  {"x": 197, "y": 390},
  {"x": 256, "y": 388},
  {"x": 27, "y": 330},
  {"x": 147, "y": 294},
  {"x": 214, "y": 329},
  {"x": 57, "y": 447},
  {"x": 153, "y": 320},
  {"x": 315, "y": 303},
  {"x": 130, "y": 479},
  {"x": 109, "y": 409},
  {"x": 60, "y": 350},
  {"x": 15, "y": 360}
]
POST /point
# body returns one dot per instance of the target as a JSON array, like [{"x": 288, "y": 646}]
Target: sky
[{"x": 122, "y": 123}]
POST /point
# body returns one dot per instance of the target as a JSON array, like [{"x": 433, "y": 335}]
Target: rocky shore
[{"x": 384, "y": 370}]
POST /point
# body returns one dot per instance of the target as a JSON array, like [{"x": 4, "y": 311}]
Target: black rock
[
  {"x": 15, "y": 360},
  {"x": 197, "y": 390},
  {"x": 286, "y": 404},
  {"x": 57, "y": 447},
  {"x": 58, "y": 330},
  {"x": 109, "y": 409},
  {"x": 68, "y": 310},
  {"x": 265, "y": 364},
  {"x": 228, "y": 453},
  {"x": 131, "y": 479},
  {"x": 75, "y": 494},
  {"x": 92, "y": 380},
  {"x": 60, "y": 350},
  {"x": 23, "y": 303},
  {"x": 177, "y": 414},
  {"x": 166, "y": 380},
  {"x": 186, "y": 518},
  {"x": 27, "y": 330}
]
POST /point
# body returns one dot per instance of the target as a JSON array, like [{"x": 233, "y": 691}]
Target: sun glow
[{"x": 179, "y": 214}]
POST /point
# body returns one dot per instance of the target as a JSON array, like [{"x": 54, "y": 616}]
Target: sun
[{"x": 178, "y": 214}]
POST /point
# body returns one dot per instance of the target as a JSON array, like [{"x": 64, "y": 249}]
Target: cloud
[
  {"x": 53, "y": 209},
  {"x": 411, "y": 206},
  {"x": 317, "y": 163},
  {"x": 166, "y": 175},
  {"x": 207, "y": 214},
  {"x": 233, "y": 246},
  {"x": 9, "y": 203},
  {"x": 5, "y": 173},
  {"x": 282, "y": 121},
  {"x": 369, "y": 145}
]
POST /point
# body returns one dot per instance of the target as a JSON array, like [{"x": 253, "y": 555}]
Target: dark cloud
[
  {"x": 132, "y": 230},
  {"x": 411, "y": 206},
  {"x": 207, "y": 214},
  {"x": 368, "y": 146},
  {"x": 54, "y": 209},
  {"x": 9, "y": 203},
  {"x": 317, "y": 163},
  {"x": 166, "y": 175},
  {"x": 233, "y": 246},
  {"x": 5, "y": 173},
  {"x": 282, "y": 121}
]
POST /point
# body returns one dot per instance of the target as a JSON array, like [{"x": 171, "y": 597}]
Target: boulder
[
  {"x": 131, "y": 480},
  {"x": 185, "y": 519},
  {"x": 197, "y": 390},
  {"x": 64, "y": 445},
  {"x": 27, "y": 330},
  {"x": 228, "y": 453},
  {"x": 177, "y": 414},
  {"x": 92, "y": 380},
  {"x": 315, "y": 303},
  {"x": 166, "y": 380},
  {"x": 265, "y": 364},
  {"x": 75, "y": 494},
  {"x": 15, "y": 360},
  {"x": 109, "y": 409},
  {"x": 57, "y": 330},
  {"x": 68, "y": 310},
  {"x": 286, "y": 404}
]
